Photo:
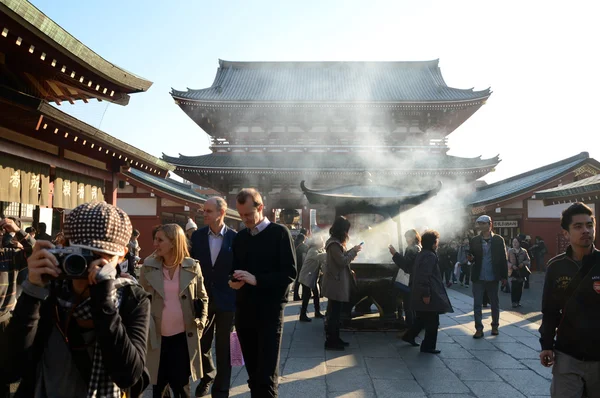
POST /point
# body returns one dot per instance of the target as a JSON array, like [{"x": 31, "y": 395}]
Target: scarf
[{"x": 100, "y": 384}]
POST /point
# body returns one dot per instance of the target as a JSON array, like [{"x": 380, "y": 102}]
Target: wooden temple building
[
  {"x": 51, "y": 162},
  {"x": 275, "y": 124}
]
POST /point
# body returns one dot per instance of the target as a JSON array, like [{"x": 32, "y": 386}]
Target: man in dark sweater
[{"x": 264, "y": 266}]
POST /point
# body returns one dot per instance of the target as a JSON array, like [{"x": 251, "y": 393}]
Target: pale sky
[{"x": 539, "y": 57}]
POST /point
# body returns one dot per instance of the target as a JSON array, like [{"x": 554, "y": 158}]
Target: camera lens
[{"x": 75, "y": 265}]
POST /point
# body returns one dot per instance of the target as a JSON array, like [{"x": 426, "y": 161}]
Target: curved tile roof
[
  {"x": 523, "y": 182},
  {"x": 329, "y": 161},
  {"x": 581, "y": 187},
  {"x": 420, "y": 81}
]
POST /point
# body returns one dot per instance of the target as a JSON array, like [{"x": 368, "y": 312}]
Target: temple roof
[
  {"x": 587, "y": 189},
  {"x": 330, "y": 161},
  {"x": 522, "y": 183},
  {"x": 173, "y": 188},
  {"x": 412, "y": 82}
]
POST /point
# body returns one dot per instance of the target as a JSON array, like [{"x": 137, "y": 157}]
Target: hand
[
  {"x": 547, "y": 358},
  {"x": 392, "y": 250},
  {"x": 9, "y": 225},
  {"x": 126, "y": 275},
  {"x": 357, "y": 248},
  {"x": 99, "y": 265},
  {"x": 236, "y": 285},
  {"x": 245, "y": 276},
  {"x": 42, "y": 264},
  {"x": 427, "y": 300}
]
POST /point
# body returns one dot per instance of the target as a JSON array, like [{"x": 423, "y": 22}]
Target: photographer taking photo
[{"x": 80, "y": 334}]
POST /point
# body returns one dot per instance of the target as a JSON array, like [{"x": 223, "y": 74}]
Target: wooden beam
[
  {"x": 55, "y": 88},
  {"x": 37, "y": 85},
  {"x": 10, "y": 148}
]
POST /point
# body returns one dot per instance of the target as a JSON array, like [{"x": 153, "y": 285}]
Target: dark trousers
[
  {"x": 430, "y": 321},
  {"x": 219, "y": 327},
  {"x": 298, "y": 284},
  {"x": 259, "y": 331},
  {"x": 465, "y": 273},
  {"x": 306, "y": 298},
  {"x": 517, "y": 290},
  {"x": 332, "y": 321},
  {"x": 404, "y": 305},
  {"x": 4, "y": 380},
  {"x": 174, "y": 367}
]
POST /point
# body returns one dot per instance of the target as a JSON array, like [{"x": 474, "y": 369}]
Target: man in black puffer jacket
[{"x": 571, "y": 310}]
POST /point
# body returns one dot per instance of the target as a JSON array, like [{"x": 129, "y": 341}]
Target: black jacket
[
  {"x": 499, "y": 259},
  {"x": 427, "y": 282},
  {"x": 407, "y": 262},
  {"x": 571, "y": 306},
  {"x": 122, "y": 336},
  {"x": 216, "y": 276}
]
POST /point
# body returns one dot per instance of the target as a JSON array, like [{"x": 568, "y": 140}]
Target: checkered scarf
[{"x": 100, "y": 385}]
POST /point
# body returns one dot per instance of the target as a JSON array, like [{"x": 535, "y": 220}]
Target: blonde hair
[{"x": 176, "y": 235}]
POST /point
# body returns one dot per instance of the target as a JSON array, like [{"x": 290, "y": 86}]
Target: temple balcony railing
[{"x": 434, "y": 148}]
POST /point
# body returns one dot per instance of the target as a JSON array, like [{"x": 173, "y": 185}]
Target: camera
[{"x": 73, "y": 261}]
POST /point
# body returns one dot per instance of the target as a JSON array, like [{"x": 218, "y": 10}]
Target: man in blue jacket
[{"x": 211, "y": 245}]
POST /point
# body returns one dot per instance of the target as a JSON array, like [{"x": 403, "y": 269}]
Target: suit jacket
[
  {"x": 499, "y": 258},
  {"x": 216, "y": 276}
]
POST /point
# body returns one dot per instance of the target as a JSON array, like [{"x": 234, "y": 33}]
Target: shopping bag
[
  {"x": 235, "y": 350},
  {"x": 457, "y": 270},
  {"x": 402, "y": 280}
]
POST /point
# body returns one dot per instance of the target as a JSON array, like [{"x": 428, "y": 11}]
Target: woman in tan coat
[{"x": 178, "y": 312}]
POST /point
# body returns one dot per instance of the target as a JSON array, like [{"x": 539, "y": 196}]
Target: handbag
[
  {"x": 402, "y": 281},
  {"x": 521, "y": 272},
  {"x": 235, "y": 350}
]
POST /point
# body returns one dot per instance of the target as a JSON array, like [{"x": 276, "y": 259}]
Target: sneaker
[
  {"x": 515, "y": 305},
  {"x": 467, "y": 285},
  {"x": 495, "y": 332},
  {"x": 478, "y": 334}
]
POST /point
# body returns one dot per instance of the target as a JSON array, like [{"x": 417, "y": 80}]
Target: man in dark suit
[
  {"x": 211, "y": 246},
  {"x": 488, "y": 252}
]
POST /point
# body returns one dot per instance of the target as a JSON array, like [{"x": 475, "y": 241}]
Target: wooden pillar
[
  {"x": 306, "y": 218},
  {"x": 112, "y": 188}
]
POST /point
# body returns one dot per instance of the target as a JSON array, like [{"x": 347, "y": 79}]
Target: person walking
[
  {"x": 488, "y": 253},
  {"x": 464, "y": 263},
  {"x": 519, "y": 263},
  {"x": 570, "y": 329},
  {"x": 309, "y": 276},
  {"x": 428, "y": 295},
  {"x": 406, "y": 263},
  {"x": 211, "y": 246},
  {"x": 337, "y": 280},
  {"x": 539, "y": 251},
  {"x": 301, "y": 250},
  {"x": 179, "y": 312},
  {"x": 264, "y": 267}
]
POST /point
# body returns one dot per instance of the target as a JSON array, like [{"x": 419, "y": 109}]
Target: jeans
[
  {"x": 491, "y": 288},
  {"x": 517, "y": 290},
  {"x": 465, "y": 273},
  {"x": 430, "y": 321}
]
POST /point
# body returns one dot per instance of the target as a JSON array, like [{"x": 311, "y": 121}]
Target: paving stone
[
  {"x": 453, "y": 350},
  {"x": 313, "y": 388},
  {"x": 283, "y": 353},
  {"x": 415, "y": 359},
  {"x": 501, "y": 338},
  {"x": 456, "y": 330},
  {"x": 348, "y": 379},
  {"x": 531, "y": 342},
  {"x": 471, "y": 369},
  {"x": 388, "y": 368},
  {"x": 310, "y": 350},
  {"x": 537, "y": 367},
  {"x": 383, "y": 350},
  {"x": 304, "y": 368},
  {"x": 469, "y": 343},
  {"x": 444, "y": 338},
  {"x": 433, "y": 385},
  {"x": 360, "y": 393},
  {"x": 515, "y": 331},
  {"x": 498, "y": 360},
  {"x": 344, "y": 359},
  {"x": 518, "y": 350},
  {"x": 398, "y": 388},
  {"x": 526, "y": 381},
  {"x": 493, "y": 389},
  {"x": 451, "y": 396}
]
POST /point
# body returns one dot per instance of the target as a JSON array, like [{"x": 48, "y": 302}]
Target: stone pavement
[{"x": 377, "y": 364}]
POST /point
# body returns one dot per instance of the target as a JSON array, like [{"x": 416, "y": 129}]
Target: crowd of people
[{"x": 117, "y": 324}]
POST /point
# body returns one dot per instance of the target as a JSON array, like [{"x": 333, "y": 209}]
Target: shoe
[
  {"x": 462, "y": 284},
  {"x": 344, "y": 343},
  {"x": 337, "y": 346},
  {"x": 319, "y": 315},
  {"x": 515, "y": 305},
  {"x": 304, "y": 318},
  {"x": 412, "y": 341},
  {"x": 478, "y": 334},
  {"x": 519, "y": 305},
  {"x": 203, "y": 389},
  {"x": 485, "y": 305},
  {"x": 467, "y": 285},
  {"x": 455, "y": 282},
  {"x": 495, "y": 332},
  {"x": 297, "y": 298},
  {"x": 431, "y": 351},
  {"x": 448, "y": 284}
]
